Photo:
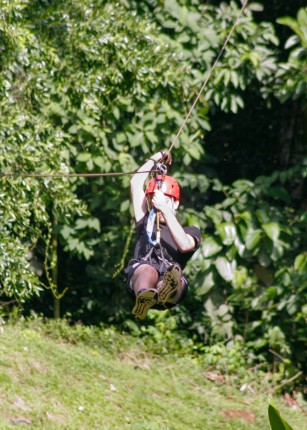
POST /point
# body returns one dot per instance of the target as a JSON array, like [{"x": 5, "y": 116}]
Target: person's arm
[
  {"x": 137, "y": 185},
  {"x": 184, "y": 242}
]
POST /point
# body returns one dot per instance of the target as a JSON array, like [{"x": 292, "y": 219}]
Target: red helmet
[{"x": 170, "y": 186}]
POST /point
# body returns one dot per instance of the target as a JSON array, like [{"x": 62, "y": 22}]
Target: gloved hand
[{"x": 166, "y": 157}]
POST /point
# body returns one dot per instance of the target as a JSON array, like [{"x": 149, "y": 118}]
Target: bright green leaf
[
  {"x": 225, "y": 268},
  {"x": 300, "y": 263},
  {"x": 210, "y": 247},
  {"x": 84, "y": 156},
  {"x": 207, "y": 284},
  {"x": 253, "y": 238},
  {"x": 227, "y": 232},
  {"x": 272, "y": 230}
]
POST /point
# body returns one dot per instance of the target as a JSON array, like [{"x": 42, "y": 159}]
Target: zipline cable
[
  {"x": 71, "y": 175},
  {"x": 68, "y": 175},
  {"x": 209, "y": 75}
]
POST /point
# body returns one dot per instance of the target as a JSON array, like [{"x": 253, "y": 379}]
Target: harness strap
[
  {"x": 154, "y": 243},
  {"x": 150, "y": 226},
  {"x": 163, "y": 261},
  {"x": 148, "y": 255}
]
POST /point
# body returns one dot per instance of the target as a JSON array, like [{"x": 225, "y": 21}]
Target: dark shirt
[{"x": 169, "y": 247}]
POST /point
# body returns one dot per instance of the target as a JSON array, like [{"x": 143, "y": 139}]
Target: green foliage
[
  {"x": 291, "y": 79},
  {"x": 162, "y": 334},
  {"x": 30, "y": 144},
  {"x": 82, "y": 86},
  {"x": 199, "y": 31},
  {"x": 251, "y": 277}
]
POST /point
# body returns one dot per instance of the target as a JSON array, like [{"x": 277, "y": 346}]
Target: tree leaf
[
  {"x": 253, "y": 238},
  {"x": 207, "y": 284},
  {"x": 210, "y": 247},
  {"x": 300, "y": 263},
  {"x": 227, "y": 232},
  {"x": 272, "y": 230},
  {"x": 84, "y": 156},
  {"x": 99, "y": 161},
  {"x": 225, "y": 268},
  {"x": 292, "y": 41}
]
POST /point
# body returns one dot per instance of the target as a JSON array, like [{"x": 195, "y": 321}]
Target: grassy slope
[{"x": 112, "y": 383}]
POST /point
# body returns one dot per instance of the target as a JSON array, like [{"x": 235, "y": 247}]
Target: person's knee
[
  {"x": 145, "y": 270},
  {"x": 145, "y": 276}
]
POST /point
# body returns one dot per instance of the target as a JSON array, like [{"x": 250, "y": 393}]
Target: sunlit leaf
[
  {"x": 84, "y": 156},
  {"x": 225, "y": 268},
  {"x": 227, "y": 232},
  {"x": 253, "y": 238},
  {"x": 210, "y": 247},
  {"x": 272, "y": 230},
  {"x": 207, "y": 284},
  {"x": 300, "y": 263}
]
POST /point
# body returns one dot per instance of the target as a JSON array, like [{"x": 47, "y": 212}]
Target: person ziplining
[{"x": 163, "y": 247}]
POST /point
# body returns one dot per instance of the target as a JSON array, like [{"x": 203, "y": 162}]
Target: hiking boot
[
  {"x": 171, "y": 280},
  {"x": 145, "y": 299}
]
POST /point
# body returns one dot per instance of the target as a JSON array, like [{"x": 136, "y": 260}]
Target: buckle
[{"x": 161, "y": 168}]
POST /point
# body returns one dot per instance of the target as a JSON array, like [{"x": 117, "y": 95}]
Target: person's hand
[
  {"x": 166, "y": 157},
  {"x": 159, "y": 201}
]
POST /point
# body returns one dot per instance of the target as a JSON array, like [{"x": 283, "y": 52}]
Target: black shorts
[{"x": 161, "y": 269}]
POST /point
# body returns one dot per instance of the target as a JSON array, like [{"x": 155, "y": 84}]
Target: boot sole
[
  {"x": 171, "y": 280},
  {"x": 143, "y": 302}
]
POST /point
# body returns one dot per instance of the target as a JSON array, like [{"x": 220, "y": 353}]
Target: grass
[{"x": 56, "y": 377}]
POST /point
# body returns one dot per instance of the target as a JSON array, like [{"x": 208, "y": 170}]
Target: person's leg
[
  {"x": 144, "y": 278},
  {"x": 144, "y": 282}
]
